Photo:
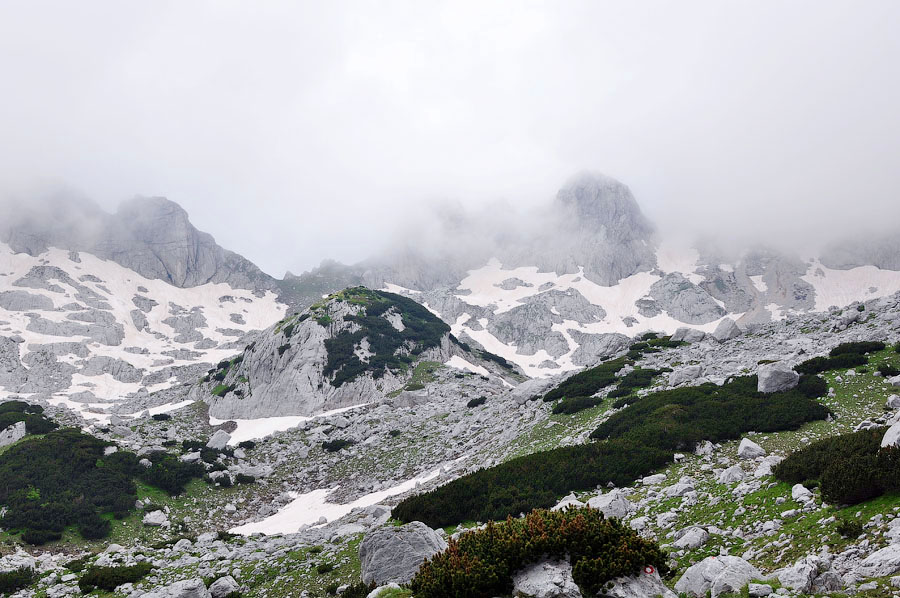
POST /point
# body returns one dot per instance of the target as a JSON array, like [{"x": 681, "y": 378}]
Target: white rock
[
  {"x": 546, "y": 579},
  {"x": 731, "y": 475},
  {"x": 748, "y": 449},
  {"x": 893, "y": 402},
  {"x": 800, "y": 493},
  {"x": 694, "y": 537},
  {"x": 647, "y": 583},
  {"x": 156, "y": 519},
  {"x": 612, "y": 504},
  {"x": 776, "y": 377},
  {"x": 219, "y": 440},
  {"x": 716, "y": 575},
  {"x": 880, "y": 563}
]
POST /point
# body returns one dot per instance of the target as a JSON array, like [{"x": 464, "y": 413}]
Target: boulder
[
  {"x": 759, "y": 590},
  {"x": 891, "y": 436},
  {"x": 12, "y": 434},
  {"x": 190, "y": 588},
  {"x": 716, "y": 575},
  {"x": 748, "y": 449},
  {"x": 647, "y": 583},
  {"x": 546, "y": 579},
  {"x": 893, "y": 402},
  {"x": 156, "y": 519},
  {"x": 881, "y": 562},
  {"x": 691, "y": 538},
  {"x": 684, "y": 374},
  {"x": 219, "y": 440},
  {"x": 612, "y": 504},
  {"x": 567, "y": 501},
  {"x": 776, "y": 377},
  {"x": 801, "y": 493},
  {"x": 391, "y": 587},
  {"x": 765, "y": 468},
  {"x": 895, "y": 381},
  {"x": 731, "y": 475},
  {"x": 688, "y": 335},
  {"x": 394, "y": 554},
  {"x": 726, "y": 330},
  {"x": 223, "y": 586}
]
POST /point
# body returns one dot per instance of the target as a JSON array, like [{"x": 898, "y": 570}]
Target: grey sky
[{"x": 298, "y": 131}]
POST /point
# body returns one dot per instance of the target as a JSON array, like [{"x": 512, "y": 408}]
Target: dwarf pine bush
[{"x": 481, "y": 564}]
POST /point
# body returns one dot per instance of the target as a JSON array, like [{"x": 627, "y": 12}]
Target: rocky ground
[{"x": 725, "y": 520}]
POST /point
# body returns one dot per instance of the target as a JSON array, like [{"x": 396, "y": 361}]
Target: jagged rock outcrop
[
  {"x": 356, "y": 347},
  {"x": 685, "y": 301},
  {"x": 776, "y": 377},
  {"x": 394, "y": 554}
]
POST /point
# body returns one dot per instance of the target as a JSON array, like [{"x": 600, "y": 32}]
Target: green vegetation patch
[
  {"x": 12, "y": 412},
  {"x": 633, "y": 443},
  {"x": 849, "y": 469},
  {"x": 392, "y": 349},
  {"x": 63, "y": 479},
  {"x": 109, "y": 578},
  {"x": 481, "y": 564}
]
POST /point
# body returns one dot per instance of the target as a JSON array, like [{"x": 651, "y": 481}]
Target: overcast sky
[{"x": 298, "y": 131}]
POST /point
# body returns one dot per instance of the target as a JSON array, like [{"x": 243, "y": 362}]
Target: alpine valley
[{"x": 580, "y": 408}]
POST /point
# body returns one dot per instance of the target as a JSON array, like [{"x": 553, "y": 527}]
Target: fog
[{"x": 299, "y": 131}]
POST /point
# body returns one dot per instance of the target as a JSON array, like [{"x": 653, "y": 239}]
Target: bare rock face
[
  {"x": 716, "y": 575},
  {"x": 776, "y": 377},
  {"x": 546, "y": 579},
  {"x": 394, "y": 554},
  {"x": 726, "y": 330},
  {"x": 150, "y": 235},
  {"x": 685, "y": 301},
  {"x": 12, "y": 434}
]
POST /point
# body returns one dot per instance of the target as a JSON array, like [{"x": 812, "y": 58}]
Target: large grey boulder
[
  {"x": 394, "y": 554},
  {"x": 688, "y": 335},
  {"x": 223, "y": 586},
  {"x": 12, "y": 434},
  {"x": 726, "y": 330},
  {"x": 219, "y": 440},
  {"x": 691, "y": 538},
  {"x": 748, "y": 449},
  {"x": 881, "y": 562},
  {"x": 891, "y": 436},
  {"x": 776, "y": 377},
  {"x": 684, "y": 374},
  {"x": 190, "y": 588},
  {"x": 716, "y": 575},
  {"x": 643, "y": 585},
  {"x": 612, "y": 504},
  {"x": 733, "y": 474},
  {"x": 810, "y": 575},
  {"x": 156, "y": 519},
  {"x": 546, "y": 579}
]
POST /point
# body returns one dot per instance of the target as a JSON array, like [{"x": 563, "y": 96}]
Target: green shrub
[
  {"x": 38, "y": 537},
  {"x": 323, "y": 568},
  {"x": 161, "y": 417},
  {"x": 587, "y": 382},
  {"x": 849, "y": 528},
  {"x": 15, "y": 580},
  {"x": 634, "y": 442},
  {"x": 842, "y": 361},
  {"x": 395, "y": 433},
  {"x": 476, "y": 402},
  {"x": 333, "y": 446},
  {"x": 414, "y": 386},
  {"x": 359, "y": 590},
  {"x": 77, "y": 565},
  {"x": 850, "y": 468},
  {"x": 243, "y": 478},
  {"x": 109, "y": 578},
  {"x": 576, "y": 404},
  {"x": 888, "y": 371},
  {"x": 247, "y": 445},
  {"x": 857, "y": 348},
  {"x": 481, "y": 564}
]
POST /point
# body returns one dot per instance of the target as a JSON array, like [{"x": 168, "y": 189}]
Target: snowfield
[{"x": 228, "y": 313}]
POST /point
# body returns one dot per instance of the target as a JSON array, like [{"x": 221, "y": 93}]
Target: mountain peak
[{"x": 595, "y": 200}]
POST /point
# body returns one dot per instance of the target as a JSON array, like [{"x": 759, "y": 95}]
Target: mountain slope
[{"x": 356, "y": 346}]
